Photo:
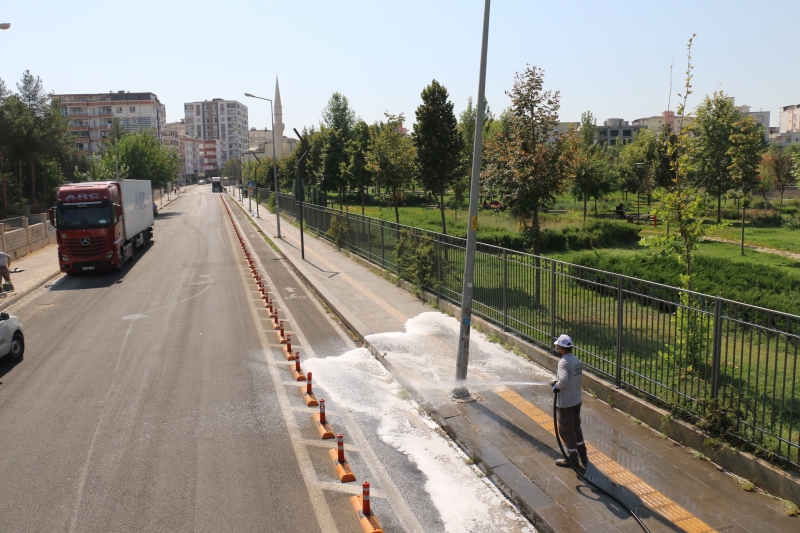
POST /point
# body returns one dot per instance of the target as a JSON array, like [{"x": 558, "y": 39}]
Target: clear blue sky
[{"x": 612, "y": 58}]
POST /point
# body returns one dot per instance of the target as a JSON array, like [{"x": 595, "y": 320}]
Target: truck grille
[{"x": 75, "y": 247}]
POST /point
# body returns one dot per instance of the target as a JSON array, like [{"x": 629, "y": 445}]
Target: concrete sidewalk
[{"x": 509, "y": 429}]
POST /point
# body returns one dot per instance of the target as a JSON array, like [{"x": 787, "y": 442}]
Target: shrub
[
  {"x": 415, "y": 255},
  {"x": 338, "y": 231},
  {"x": 746, "y": 282},
  {"x": 271, "y": 203},
  {"x": 791, "y": 221}
]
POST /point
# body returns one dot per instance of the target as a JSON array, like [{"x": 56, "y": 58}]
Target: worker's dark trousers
[{"x": 569, "y": 427}]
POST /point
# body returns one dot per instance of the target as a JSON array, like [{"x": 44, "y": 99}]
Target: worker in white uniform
[{"x": 568, "y": 403}]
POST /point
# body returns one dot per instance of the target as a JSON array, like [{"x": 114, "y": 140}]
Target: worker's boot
[
  {"x": 571, "y": 460},
  {"x": 582, "y": 454}
]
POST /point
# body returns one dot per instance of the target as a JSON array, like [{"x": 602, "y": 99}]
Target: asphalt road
[{"x": 144, "y": 402}]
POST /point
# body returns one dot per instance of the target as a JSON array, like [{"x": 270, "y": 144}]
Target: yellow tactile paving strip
[{"x": 655, "y": 500}]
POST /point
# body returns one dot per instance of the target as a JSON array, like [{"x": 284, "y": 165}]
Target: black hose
[{"x": 581, "y": 476}]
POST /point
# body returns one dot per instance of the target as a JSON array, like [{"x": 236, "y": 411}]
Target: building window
[
  {"x": 614, "y": 133},
  {"x": 626, "y": 133},
  {"x": 132, "y": 109},
  {"x": 119, "y": 110}
]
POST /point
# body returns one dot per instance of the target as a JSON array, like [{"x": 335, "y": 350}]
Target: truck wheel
[{"x": 17, "y": 346}]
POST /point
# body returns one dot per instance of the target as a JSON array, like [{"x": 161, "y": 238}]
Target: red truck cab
[{"x": 89, "y": 218}]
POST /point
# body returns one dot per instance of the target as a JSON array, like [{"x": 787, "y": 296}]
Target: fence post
[
  {"x": 552, "y": 300},
  {"x": 717, "y": 355},
  {"x": 505, "y": 291},
  {"x": 620, "y": 308},
  {"x": 3, "y": 237},
  {"x": 383, "y": 249},
  {"x": 438, "y": 262},
  {"x": 26, "y": 227}
]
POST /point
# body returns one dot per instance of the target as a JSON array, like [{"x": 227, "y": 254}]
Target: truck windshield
[{"x": 82, "y": 217}]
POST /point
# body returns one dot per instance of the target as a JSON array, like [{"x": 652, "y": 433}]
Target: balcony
[
  {"x": 79, "y": 128},
  {"x": 106, "y": 115},
  {"x": 77, "y": 115},
  {"x": 104, "y": 127}
]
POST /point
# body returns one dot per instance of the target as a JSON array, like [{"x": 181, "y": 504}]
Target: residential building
[
  {"x": 616, "y": 130},
  {"x": 656, "y": 123},
  {"x": 171, "y": 139},
  {"x": 90, "y": 116},
  {"x": 218, "y": 119},
  {"x": 210, "y": 160},
  {"x": 180, "y": 127},
  {"x": 190, "y": 150},
  {"x": 789, "y": 118}
]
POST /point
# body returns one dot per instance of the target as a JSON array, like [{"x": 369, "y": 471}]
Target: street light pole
[
  {"x": 274, "y": 162},
  {"x": 638, "y": 187},
  {"x": 301, "y": 193},
  {"x": 462, "y": 359}
]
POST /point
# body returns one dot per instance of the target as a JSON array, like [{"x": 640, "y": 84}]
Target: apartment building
[
  {"x": 789, "y": 119},
  {"x": 210, "y": 160},
  {"x": 90, "y": 116},
  {"x": 616, "y": 130},
  {"x": 218, "y": 119}
]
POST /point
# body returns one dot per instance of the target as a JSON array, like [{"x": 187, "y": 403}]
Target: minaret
[{"x": 278, "y": 120}]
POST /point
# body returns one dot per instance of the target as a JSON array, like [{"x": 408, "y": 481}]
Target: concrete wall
[{"x": 19, "y": 242}]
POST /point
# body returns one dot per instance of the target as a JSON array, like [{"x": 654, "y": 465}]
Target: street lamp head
[
  {"x": 249, "y": 95},
  {"x": 5, "y": 26}
]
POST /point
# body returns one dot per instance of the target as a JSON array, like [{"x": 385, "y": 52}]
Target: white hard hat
[{"x": 564, "y": 341}]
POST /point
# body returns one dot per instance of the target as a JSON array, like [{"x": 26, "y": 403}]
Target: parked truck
[
  {"x": 100, "y": 223},
  {"x": 216, "y": 184}
]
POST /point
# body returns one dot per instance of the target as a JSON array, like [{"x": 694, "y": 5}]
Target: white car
[{"x": 12, "y": 340}]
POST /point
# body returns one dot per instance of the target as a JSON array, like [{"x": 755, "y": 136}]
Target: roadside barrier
[
  {"x": 325, "y": 430},
  {"x": 298, "y": 373},
  {"x": 308, "y": 395},
  {"x": 360, "y": 504},
  {"x": 343, "y": 469}
]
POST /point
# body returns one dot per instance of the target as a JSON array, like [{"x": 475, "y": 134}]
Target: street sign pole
[{"x": 462, "y": 359}]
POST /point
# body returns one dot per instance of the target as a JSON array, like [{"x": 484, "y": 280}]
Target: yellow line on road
[{"x": 654, "y": 499}]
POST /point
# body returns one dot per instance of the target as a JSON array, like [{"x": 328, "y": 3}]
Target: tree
[
  {"x": 232, "y": 169},
  {"x": 338, "y": 120},
  {"x": 682, "y": 204},
  {"x": 709, "y": 149},
  {"x": 438, "y": 143},
  {"x": 466, "y": 125},
  {"x": 146, "y": 158},
  {"x": 357, "y": 172},
  {"x": 778, "y": 168},
  {"x": 391, "y": 158},
  {"x": 526, "y": 161},
  {"x": 747, "y": 145},
  {"x": 592, "y": 174}
]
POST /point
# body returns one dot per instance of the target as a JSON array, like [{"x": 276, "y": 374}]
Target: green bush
[
  {"x": 791, "y": 221},
  {"x": 750, "y": 283},
  {"x": 338, "y": 231},
  {"x": 415, "y": 255},
  {"x": 271, "y": 203},
  {"x": 593, "y": 234}
]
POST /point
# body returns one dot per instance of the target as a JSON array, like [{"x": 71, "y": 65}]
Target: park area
[{"x": 723, "y": 354}]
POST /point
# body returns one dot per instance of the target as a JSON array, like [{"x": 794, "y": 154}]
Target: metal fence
[{"x": 730, "y": 366}]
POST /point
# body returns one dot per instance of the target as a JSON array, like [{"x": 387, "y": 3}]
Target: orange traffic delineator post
[
  {"x": 269, "y": 306},
  {"x": 369, "y": 523},
  {"x": 275, "y": 322},
  {"x": 281, "y": 333},
  {"x": 323, "y": 427},
  {"x": 288, "y": 348},
  {"x": 343, "y": 469},
  {"x": 298, "y": 374},
  {"x": 308, "y": 395}
]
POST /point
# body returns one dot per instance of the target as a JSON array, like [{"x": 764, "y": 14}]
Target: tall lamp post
[
  {"x": 274, "y": 163},
  {"x": 639, "y": 167},
  {"x": 462, "y": 358}
]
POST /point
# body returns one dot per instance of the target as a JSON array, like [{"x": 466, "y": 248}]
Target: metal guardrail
[{"x": 730, "y": 366}]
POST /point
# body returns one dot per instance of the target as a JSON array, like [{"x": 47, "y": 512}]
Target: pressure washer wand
[{"x": 581, "y": 476}]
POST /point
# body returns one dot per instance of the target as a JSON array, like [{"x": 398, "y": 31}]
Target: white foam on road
[{"x": 356, "y": 381}]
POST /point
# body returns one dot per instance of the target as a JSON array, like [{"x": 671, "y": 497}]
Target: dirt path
[{"x": 784, "y": 253}]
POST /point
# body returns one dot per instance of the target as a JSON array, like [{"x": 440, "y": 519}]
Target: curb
[{"x": 32, "y": 288}]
